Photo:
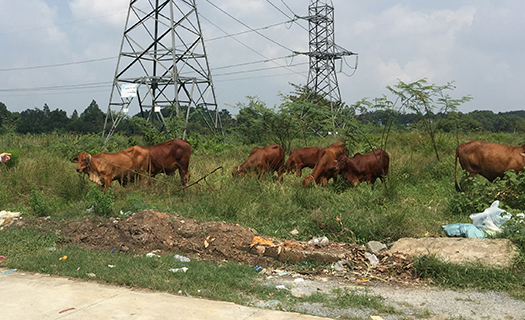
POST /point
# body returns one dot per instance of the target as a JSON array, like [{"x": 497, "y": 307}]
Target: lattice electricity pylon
[
  {"x": 163, "y": 64},
  {"x": 323, "y": 53}
]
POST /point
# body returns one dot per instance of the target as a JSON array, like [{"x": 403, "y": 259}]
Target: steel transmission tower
[
  {"x": 323, "y": 52},
  {"x": 163, "y": 66}
]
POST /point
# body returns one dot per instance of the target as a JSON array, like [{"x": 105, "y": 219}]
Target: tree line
[{"x": 301, "y": 115}]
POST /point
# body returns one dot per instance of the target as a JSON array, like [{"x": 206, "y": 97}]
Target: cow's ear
[
  {"x": 522, "y": 154},
  {"x": 75, "y": 160}
]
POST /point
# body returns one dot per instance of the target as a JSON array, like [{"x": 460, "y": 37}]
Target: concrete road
[{"x": 35, "y": 296}]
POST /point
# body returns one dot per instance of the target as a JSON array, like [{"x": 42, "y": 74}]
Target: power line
[
  {"x": 56, "y": 65},
  {"x": 288, "y": 7},
  {"x": 260, "y": 69},
  {"x": 293, "y": 19},
  {"x": 244, "y": 24},
  {"x": 245, "y": 45},
  {"x": 252, "y": 62},
  {"x": 266, "y": 76},
  {"x": 244, "y": 32}
]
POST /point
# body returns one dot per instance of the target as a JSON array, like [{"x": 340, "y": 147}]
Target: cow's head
[
  {"x": 83, "y": 160},
  {"x": 236, "y": 172},
  {"x": 340, "y": 163},
  {"x": 309, "y": 179}
]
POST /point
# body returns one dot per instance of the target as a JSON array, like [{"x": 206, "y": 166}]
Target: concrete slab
[
  {"x": 489, "y": 252},
  {"x": 35, "y": 296}
]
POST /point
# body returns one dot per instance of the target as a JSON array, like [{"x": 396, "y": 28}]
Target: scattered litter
[
  {"x": 51, "y": 249},
  {"x": 151, "y": 254},
  {"x": 465, "y": 230},
  {"x": 281, "y": 287},
  {"x": 3, "y": 257},
  {"x": 491, "y": 219},
  {"x": 294, "y": 232},
  {"x": 298, "y": 280},
  {"x": 376, "y": 318},
  {"x": 269, "y": 304},
  {"x": 9, "y": 271},
  {"x": 372, "y": 258},
  {"x": 257, "y": 268},
  {"x": 111, "y": 265},
  {"x": 261, "y": 242},
  {"x": 319, "y": 242},
  {"x": 187, "y": 294},
  {"x": 339, "y": 266},
  {"x": 181, "y": 258},
  {"x": 183, "y": 269},
  {"x": 91, "y": 275},
  {"x": 62, "y": 258},
  {"x": 69, "y": 309},
  {"x": 112, "y": 250},
  {"x": 7, "y": 215},
  {"x": 485, "y": 223},
  {"x": 126, "y": 214}
]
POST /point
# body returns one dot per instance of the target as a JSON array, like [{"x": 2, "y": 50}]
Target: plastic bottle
[{"x": 181, "y": 258}]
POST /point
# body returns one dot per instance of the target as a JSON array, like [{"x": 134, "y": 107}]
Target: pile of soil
[{"x": 218, "y": 242}]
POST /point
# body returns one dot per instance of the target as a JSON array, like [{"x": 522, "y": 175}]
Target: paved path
[{"x": 34, "y": 296}]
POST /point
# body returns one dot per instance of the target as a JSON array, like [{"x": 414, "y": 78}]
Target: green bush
[
  {"x": 39, "y": 205},
  {"x": 102, "y": 203}
]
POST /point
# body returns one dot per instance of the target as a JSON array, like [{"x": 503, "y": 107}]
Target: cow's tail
[{"x": 458, "y": 189}]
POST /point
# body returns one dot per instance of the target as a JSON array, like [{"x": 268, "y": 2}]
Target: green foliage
[
  {"x": 100, "y": 202},
  {"x": 40, "y": 206},
  {"x": 478, "y": 193}
]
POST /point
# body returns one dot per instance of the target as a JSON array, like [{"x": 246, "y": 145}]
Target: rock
[
  {"x": 375, "y": 247},
  {"x": 489, "y": 252}
]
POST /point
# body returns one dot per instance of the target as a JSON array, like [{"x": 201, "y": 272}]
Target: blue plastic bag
[{"x": 465, "y": 230}]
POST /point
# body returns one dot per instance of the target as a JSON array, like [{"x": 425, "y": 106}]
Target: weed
[{"x": 101, "y": 202}]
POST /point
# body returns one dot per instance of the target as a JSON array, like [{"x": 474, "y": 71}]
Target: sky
[{"x": 64, "y": 53}]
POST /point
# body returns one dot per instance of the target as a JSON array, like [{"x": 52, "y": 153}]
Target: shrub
[
  {"x": 101, "y": 202},
  {"x": 39, "y": 205}
]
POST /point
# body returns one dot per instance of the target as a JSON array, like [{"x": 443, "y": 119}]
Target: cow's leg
[
  {"x": 280, "y": 174},
  {"x": 298, "y": 169},
  {"x": 184, "y": 175},
  {"x": 263, "y": 171}
]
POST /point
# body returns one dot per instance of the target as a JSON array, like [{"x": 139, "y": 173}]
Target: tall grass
[{"x": 417, "y": 199}]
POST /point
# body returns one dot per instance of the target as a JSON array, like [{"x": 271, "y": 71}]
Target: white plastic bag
[{"x": 491, "y": 219}]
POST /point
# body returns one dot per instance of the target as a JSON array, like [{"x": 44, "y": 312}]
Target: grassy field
[{"x": 417, "y": 199}]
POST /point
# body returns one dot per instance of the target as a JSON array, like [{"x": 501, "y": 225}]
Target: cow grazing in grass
[
  {"x": 302, "y": 158},
  {"x": 305, "y": 158},
  {"x": 324, "y": 169},
  {"x": 364, "y": 167},
  {"x": 490, "y": 160},
  {"x": 170, "y": 156},
  {"x": 124, "y": 166},
  {"x": 262, "y": 160}
]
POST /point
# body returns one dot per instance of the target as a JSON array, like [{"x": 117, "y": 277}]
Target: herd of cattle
[{"x": 490, "y": 160}]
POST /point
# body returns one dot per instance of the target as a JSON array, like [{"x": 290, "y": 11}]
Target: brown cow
[
  {"x": 324, "y": 169},
  {"x": 261, "y": 160},
  {"x": 302, "y": 158},
  {"x": 490, "y": 160},
  {"x": 364, "y": 167},
  {"x": 123, "y": 166},
  {"x": 170, "y": 156},
  {"x": 305, "y": 158}
]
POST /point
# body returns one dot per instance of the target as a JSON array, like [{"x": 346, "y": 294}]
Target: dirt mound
[{"x": 149, "y": 230}]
